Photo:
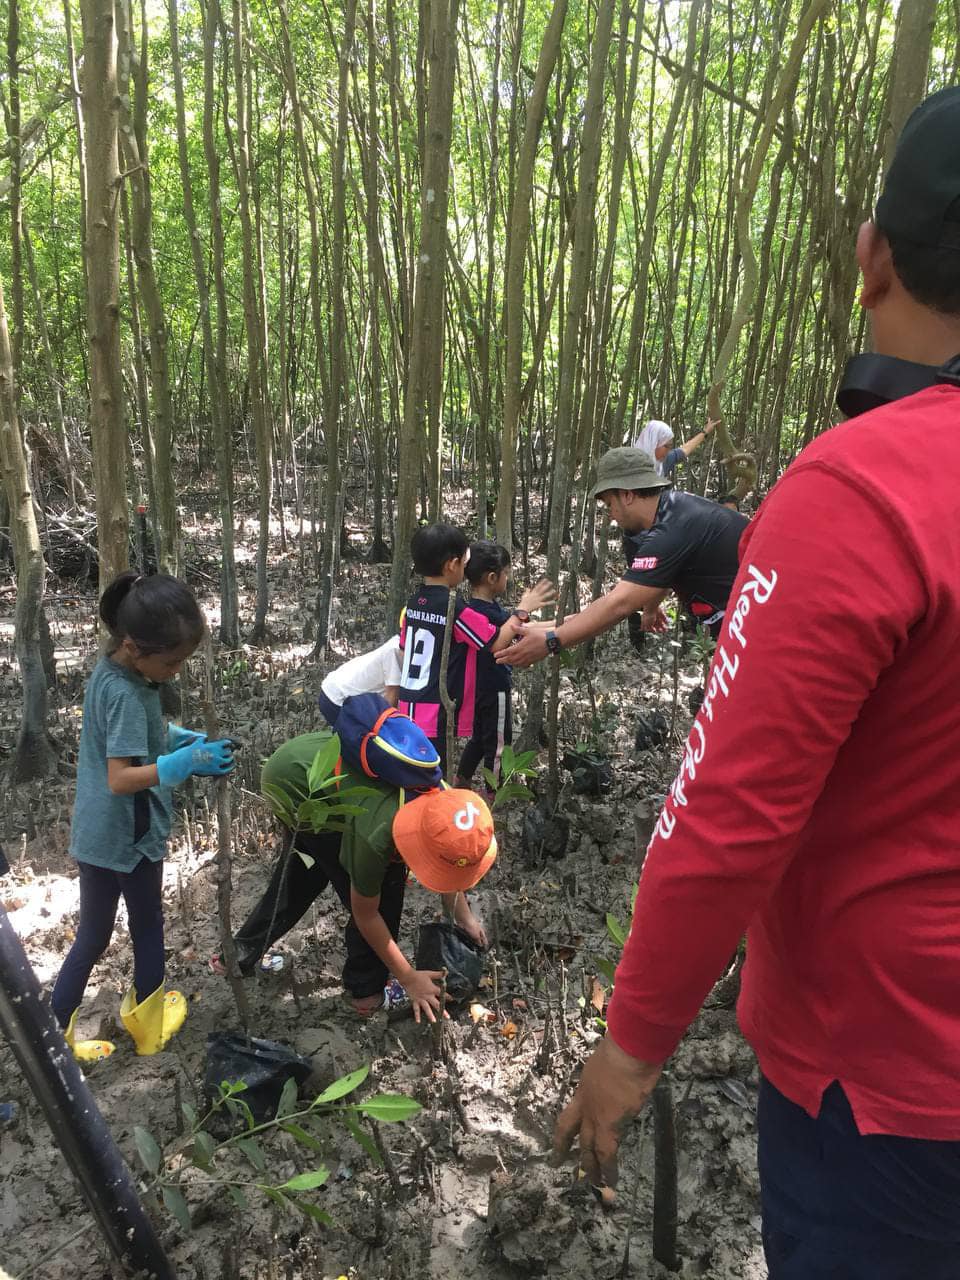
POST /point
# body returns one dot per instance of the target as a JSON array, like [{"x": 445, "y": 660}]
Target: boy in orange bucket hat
[{"x": 444, "y": 837}]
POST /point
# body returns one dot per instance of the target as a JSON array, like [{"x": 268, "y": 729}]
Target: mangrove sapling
[
  {"x": 214, "y": 1162},
  {"x": 513, "y": 765}
]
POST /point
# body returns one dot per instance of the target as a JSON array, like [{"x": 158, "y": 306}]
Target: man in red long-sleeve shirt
[{"x": 817, "y": 804}]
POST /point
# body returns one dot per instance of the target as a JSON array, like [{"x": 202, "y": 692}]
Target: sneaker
[
  {"x": 393, "y": 1000},
  {"x": 272, "y": 962},
  {"x": 394, "y": 995}
]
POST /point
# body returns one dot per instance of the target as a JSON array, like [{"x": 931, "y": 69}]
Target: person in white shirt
[{"x": 375, "y": 672}]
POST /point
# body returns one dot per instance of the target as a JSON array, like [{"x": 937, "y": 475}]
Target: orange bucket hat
[{"x": 446, "y": 838}]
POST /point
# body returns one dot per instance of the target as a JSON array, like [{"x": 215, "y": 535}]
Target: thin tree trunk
[
  {"x": 743, "y": 465},
  {"x": 139, "y": 368},
  {"x": 645, "y": 250},
  {"x": 16, "y": 184},
  {"x": 421, "y": 416},
  {"x": 583, "y": 244},
  {"x": 107, "y": 426},
  {"x": 133, "y": 74},
  {"x": 911, "y": 58},
  {"x": 378, "y": 552},
  {"x": 56, "y": 389},
  {"x": 256, "y": 371},
  {"x": 338, "y": 340},
  {"x": 214, "y": 353},
  {"x": 33, "y": 756},
  {"x": 517, "y": 240}
]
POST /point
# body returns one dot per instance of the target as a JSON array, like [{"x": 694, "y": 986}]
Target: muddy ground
[{"x": 466, "y": 1190}]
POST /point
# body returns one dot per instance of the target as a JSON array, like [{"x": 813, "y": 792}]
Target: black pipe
[
  {"x": 665, "y": 1176},
  {"x": 79, "y": 1129}
]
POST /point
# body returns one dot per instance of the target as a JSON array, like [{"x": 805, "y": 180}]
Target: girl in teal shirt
[{"x": 129, "y": 761}]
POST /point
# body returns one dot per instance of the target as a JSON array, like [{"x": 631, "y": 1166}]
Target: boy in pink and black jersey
[{"x": 440, "y": 553}]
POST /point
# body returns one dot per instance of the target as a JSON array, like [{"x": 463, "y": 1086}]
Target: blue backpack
[{"x": 385, "y": 744}]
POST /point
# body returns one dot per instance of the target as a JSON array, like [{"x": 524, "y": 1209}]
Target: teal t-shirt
[
  {"x": 366, "y": 846},
  {"x": 121, "y": 719}
]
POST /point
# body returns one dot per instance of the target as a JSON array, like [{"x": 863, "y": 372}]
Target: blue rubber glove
[
  {"x": 178, "y": 736},
  {"x": 209, "y": 759}
]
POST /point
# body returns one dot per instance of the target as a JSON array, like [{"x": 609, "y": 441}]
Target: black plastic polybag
[
  {"x": 638, "y": 637},
  {"x": 442, "y": 945},
  {"x": 591, "y": 773},
  {"x": 651, "y": 730},
  {"x": 543, "y": 832},
  {"x": 264, "y": 1066},
  {"x": 695, "y": 699}
]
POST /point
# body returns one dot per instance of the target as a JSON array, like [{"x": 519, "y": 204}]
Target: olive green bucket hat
[{"x": 627, "y": 468}]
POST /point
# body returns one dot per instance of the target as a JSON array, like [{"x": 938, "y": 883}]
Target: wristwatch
[
  {"x": 522, "y": 614},
  {"x": 554, "y": 643}
]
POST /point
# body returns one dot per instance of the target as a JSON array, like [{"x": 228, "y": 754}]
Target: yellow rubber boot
[
  {"x": 154, "y": 1020},
  {"x": 86, "y": 1050}
]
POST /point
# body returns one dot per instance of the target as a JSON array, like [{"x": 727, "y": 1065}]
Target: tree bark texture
[
  {"x": 107, "y": 426},
  {"x": 214, "y": 357},
  {"x": 133, "y": 78},
  {"x": 33, "y": 756},
  {"x": 421, "y": 414},
  {"x": 518, "y": 237}
]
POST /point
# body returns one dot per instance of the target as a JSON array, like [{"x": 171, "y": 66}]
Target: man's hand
[
  {"x": 535, "y": 597},
  {"x": 421, "y": 986},
  {"x": 655, "y": 619},
  {"x": 530, "y": 648},
  {"x": 711, "y": 425},
  {"x": 612, "y": 1090}
]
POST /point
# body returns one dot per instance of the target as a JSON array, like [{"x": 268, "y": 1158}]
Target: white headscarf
[{"x": 653, "y": 436}]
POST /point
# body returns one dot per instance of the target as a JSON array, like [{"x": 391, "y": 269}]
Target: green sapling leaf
[
  {"x": 340, "y": 1088},
  {"x": 147, "y": 1150},
  {"x": 390, "y": 1108},
  {"x": 177, "y": 1205},
  {"x": 307, "y": 1181},
  {"x": 288, "y": 1099}
]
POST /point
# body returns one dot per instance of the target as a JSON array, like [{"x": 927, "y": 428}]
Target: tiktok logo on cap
[{"x": 466, "y": 819}]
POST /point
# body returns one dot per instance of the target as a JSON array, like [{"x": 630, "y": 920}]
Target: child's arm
[
  {"x": 512, "y": 628},
  {"x": 125, "y": 778},
  {"x": 391, "y": 694},
  {"x": 456, "y": 905},
  {"x": 535, "y": 597},
  {"x": 208, "y": 759},
  {"x": 420, "y": 984}
]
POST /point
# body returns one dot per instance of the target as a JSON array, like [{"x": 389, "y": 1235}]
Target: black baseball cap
[{"x": 923, "y": 180}]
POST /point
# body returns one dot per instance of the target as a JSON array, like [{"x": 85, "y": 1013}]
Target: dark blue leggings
[
  {"x": 100, "y": 890},
  {"x": 841, "y": 1205}
]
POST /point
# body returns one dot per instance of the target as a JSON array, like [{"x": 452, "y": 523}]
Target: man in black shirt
[{"x": 672, "y": 541}]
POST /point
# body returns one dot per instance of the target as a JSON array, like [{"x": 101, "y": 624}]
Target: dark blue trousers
[
  {"x": 838, "y": 1205},
  {"x": 100, "y": 890}
]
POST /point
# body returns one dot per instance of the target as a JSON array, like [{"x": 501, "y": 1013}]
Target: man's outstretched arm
[{"x": 600, "y": 616}]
